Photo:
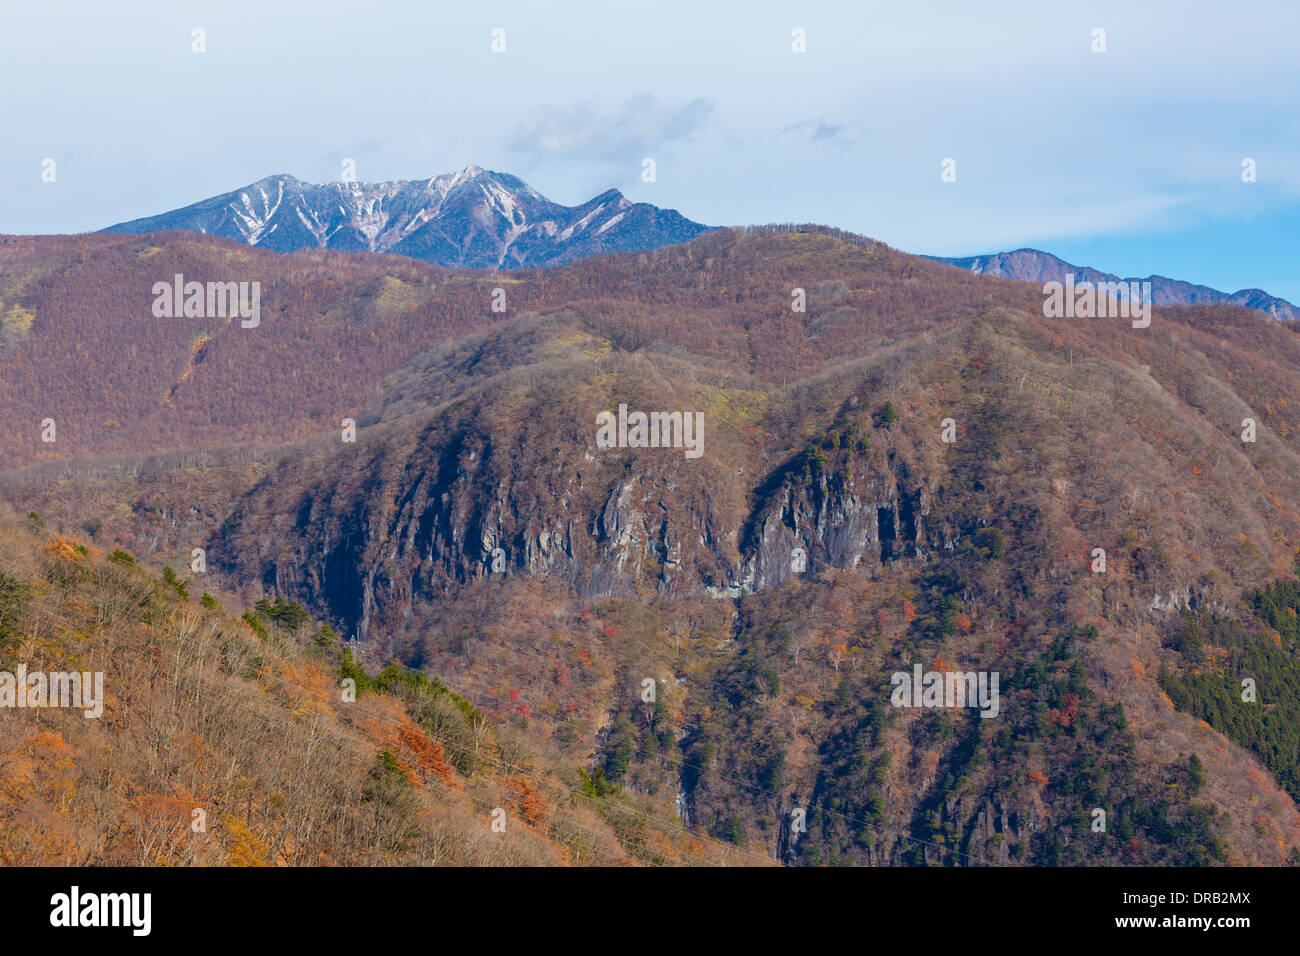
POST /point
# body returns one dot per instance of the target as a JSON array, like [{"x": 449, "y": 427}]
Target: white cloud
[{"x": 642, "y": 126}]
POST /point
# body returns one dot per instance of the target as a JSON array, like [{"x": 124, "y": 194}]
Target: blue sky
[{"x": 1127, "y": 160}]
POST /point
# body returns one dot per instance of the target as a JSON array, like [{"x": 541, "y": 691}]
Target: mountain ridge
[
  {"x": 480, "y": 218},
  {"x": 471, "y": 218},
  {"x": 1035, "y": 265}
]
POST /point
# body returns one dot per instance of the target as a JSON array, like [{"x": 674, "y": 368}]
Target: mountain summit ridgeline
[
  {"x": 1034, "y": 265},
  {"x": 474, "y": 218}
]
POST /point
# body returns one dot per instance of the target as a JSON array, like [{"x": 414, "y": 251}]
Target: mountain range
[
  {"x": 473, "y": 218},
  {"x": 1034, "y": 265},
  {"x": 477, "y": 218},
  {"x": 916, "y": 472}
]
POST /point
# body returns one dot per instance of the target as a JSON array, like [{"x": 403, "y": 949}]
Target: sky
[{"x": 1128, "y": 159}]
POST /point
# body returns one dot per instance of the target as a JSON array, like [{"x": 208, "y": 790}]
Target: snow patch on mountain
[
  {"x": 612, "y": 222},
  {"x": 472, "y": 217}
]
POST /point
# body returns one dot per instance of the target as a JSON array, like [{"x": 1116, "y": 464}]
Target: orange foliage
[
  {"x": 37, "y": 786},
  {"x": 243, "y": 846},
  {"x": 62, "y": 548},
  {"x": 308, "y": 687},
  {"x": 526, "y": 801},
  {"x": 427, "y": 754}
]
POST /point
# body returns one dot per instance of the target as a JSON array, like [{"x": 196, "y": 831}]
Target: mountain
[
  {"x": 1033, "y": 265},
  {"x": 916, "y": 471},
  {"x": 474, "y": 218},
  {"x": 405, "y": 773}
]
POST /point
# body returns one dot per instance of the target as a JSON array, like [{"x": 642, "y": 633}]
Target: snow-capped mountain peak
[{"x": 472, "y": 217}]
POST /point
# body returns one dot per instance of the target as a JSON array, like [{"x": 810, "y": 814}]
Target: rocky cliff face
[
  {"x": 403, "y": 524},
  {"x": 838, "y": 520}
]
